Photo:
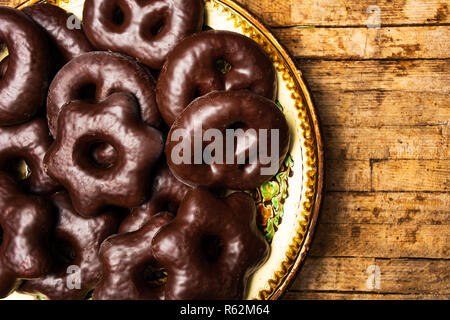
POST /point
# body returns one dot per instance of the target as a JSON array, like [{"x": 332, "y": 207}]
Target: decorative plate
[{"x": 288, "y": 205}]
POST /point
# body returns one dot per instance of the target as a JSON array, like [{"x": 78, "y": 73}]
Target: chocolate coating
[
  {"x": 69, "y": 42},
  {"x": 114, "y": 121},
  {"x": 125, "y": 259},
  {"x": 94, "y": 76},
  {"x": 147, "y": 30},
  {"x": 104, "y": 154},
  {"x": 184, "y": 247},
  {"x": 193, "y": 69},
  {"x": 3, "y": 66},
  {"x": 25, "y": 222},
  {"x": 23, "y": 87},
  {"x": 166, "y": 194},
  {"x": 28, "y": 141},
  {"x": 222, "y": 110},
  {"x": 85, "y": 237}
]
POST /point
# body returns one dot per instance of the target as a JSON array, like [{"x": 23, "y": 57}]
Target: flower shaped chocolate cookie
[{"x": 116, "y": 121}]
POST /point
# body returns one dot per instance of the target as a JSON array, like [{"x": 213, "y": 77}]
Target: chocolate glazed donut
[
  {"x": 167, "y": 193},
  {"x": 130, "y": 272},
  {"x": 25, "y": 224},
  {"x": 70, "y": 43},
  {"x": 79, "y": 241},
  {"x": 211, "y": 247},
  {"x": 210, "y": 61},
  {"x": 116, "y": 122},
  {"x": 24, "y": 84},
  {"x": 222, "y": 110},
  {"x": 147, "y": 30},
  {"x": 28, "y": 142},
  {"x": 94, "y": 76}
]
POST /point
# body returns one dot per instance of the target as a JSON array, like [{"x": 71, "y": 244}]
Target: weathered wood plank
[
  {"x": 347, "y": 175},
  {"x": 365, "y": 43},
  {"x": 430, "y": 142},
  {"x": 348, "y": 12},
  {"x": 411, "y": 175},
  {"x": 377, "y": 75},
  {"x": 406, "y": 276},
  {"x": 10, "y": 3},
  {"x": 340, "y": 12},
  {"x": 382, "y": 108},
  {"x": 382, "y": 240},
  {"x": 403, "y": 208},
  {"x": 320, "y": 295}
]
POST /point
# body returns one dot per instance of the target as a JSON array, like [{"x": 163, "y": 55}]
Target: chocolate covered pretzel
[
  {"x": 94, "y": 76},
  {"x": 147, "y": 30}
]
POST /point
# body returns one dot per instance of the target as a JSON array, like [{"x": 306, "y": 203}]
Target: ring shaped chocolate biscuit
[
  {"x": 130, "y": 271},
  {"x": 210, "y": 61},
  {"x": 25, "y": 227},
  {"x": 70, "y": 42},
  {"x": 25, "y": 78},
  {"x": 27, "y": 142},
  {"x": 166, "y": 195},
  {"x": 94, "y": 76},
  {"x": 248, "y": 116},
  {"x": 77, "y": 270},
  {"x": 147, "y": 30},
  {"x": 211, "y": 247},
  {"x": 116, "y": 122}
]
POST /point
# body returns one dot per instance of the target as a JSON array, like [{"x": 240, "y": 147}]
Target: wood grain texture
[
  {"x": 338, "y": 295},
  {"x": 347, "y": 13},
  {"x": 420, "y": 76},
  {"x": 367, "y": 43},
  {"x": 11, "y": 3},
  {"x": 382, "y": 240},
  {"x": 385, "y": 142},
  {"x": 393, "y": 208},
  {"x": 383, "y": 96},
  {"x": 338, "y": 274},
  {"x": 380, "y": 107},
  {"x": 411, "y": 175}
]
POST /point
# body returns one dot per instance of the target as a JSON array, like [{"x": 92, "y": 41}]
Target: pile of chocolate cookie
[{"x": 106, "y": 190}]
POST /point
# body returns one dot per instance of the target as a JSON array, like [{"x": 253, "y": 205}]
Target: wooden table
[{"x": 383, "y": 95}]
